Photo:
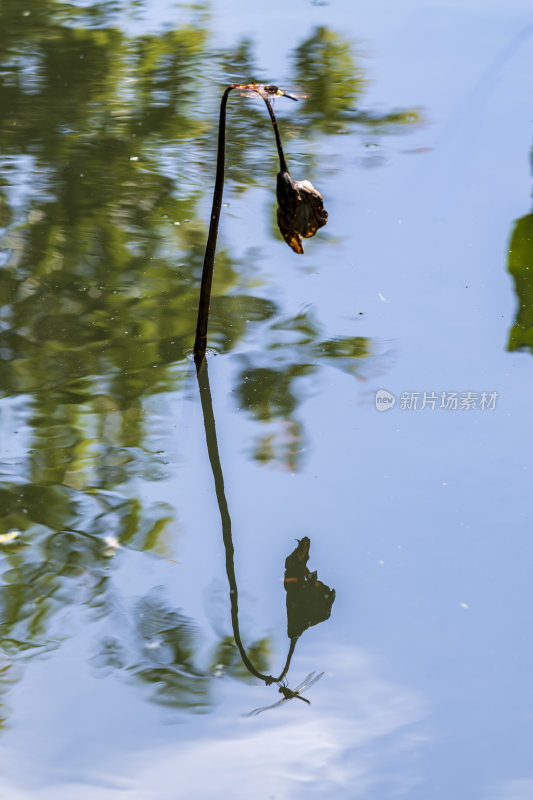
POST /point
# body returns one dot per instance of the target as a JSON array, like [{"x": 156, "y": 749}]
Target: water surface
[{"x": 119, "y": 672}]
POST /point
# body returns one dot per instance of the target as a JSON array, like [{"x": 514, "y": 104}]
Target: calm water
[{"x": 119, "y": 671}]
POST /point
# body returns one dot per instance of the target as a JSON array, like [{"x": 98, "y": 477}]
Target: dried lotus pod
[{"x": 301, "y": 210}]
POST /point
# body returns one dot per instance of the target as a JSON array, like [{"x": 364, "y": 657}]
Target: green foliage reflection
[
  {"x": 334, "y": 82},
  {"x": 520, "y": 265},
  {"x": 271, "y": 382},
  {"x": 107, "y": 143}
]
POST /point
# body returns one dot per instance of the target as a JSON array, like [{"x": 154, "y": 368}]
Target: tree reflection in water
[
  {"x": 272, "y": 383},
  {"x": 520, "y": 266},
  {"x": 106, "y": 152}
]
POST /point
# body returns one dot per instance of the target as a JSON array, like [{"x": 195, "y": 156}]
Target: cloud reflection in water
[{"x": 361, "y": 744}]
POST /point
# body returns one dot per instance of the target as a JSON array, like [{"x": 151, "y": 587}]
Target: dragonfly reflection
[{"x": 288, "y": 694}]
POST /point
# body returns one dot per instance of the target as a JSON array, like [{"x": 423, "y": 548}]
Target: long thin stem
[{"x": 200, "y": 342}]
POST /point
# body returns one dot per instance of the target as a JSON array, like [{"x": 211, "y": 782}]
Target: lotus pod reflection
[
  {"x": 301, "y": 210},
  {"x": 309, "y": 600}
]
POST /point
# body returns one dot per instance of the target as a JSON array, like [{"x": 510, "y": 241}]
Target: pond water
[{"x": 373, "y": 394}]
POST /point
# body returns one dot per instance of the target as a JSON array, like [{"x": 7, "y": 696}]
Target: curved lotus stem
[
  {"x": 281, "y": 154},
  {"x": 200, "y": 342}
]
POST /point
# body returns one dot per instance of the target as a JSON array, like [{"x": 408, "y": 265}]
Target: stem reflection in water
[{"x": 309, "y": 601}]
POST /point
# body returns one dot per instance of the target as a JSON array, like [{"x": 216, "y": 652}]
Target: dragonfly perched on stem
[
  {"x": 267, "y": 90},
  {"x": 289, "y": 694}
]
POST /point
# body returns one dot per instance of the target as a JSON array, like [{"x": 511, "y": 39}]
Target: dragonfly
[
  {"x": 268, "y": 90},
  {"x": 289, "y": 694}
]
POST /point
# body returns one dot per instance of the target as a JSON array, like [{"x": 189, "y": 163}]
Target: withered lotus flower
[{"x": 301, "y": 210}]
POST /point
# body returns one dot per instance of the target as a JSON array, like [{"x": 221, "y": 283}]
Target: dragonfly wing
[
  {"x": 309, "y": 681},
  {"x": 315, "y": 679},
  {"x": 265, "y": 708},
  {"x": 304, "y": 683}
]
